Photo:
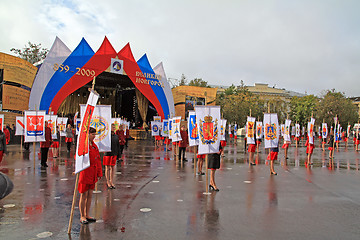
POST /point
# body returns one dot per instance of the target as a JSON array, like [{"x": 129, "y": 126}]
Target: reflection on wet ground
[{"x": 159, "y": 198}]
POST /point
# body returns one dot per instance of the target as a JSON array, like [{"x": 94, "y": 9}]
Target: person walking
[
  {"x": 183, "y": 143},
  {"x": 44, "y": 146},
  {"x": 109, "y": 159},
  {"x": 88, "y": 178},
  {"x": 121, "y": 135}
]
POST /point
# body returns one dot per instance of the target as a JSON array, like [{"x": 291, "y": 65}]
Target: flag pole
[
  {"x": 206, "y": 163},
  {"x": 76, "y": 187}
]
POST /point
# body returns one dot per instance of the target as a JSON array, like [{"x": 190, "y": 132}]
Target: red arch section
[
  {"x": 132, "y": 69},
  {"x": 99, "y": 63}
]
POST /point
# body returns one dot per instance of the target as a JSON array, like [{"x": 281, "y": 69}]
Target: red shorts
[
  {"x": 273, "y": 156},
  {"x": 235, "y": 137},
  {"x": 330, "y": 148},
  {"x": 158, "y": 138},
  {"x": 345, "y": 139},
  {"x": 258, "y": 143},
  {"x": 109, "y": 160},
  {"x": 231, "y": 135},
  {"x": 310, "y": 148},
  {"x": 200, "y": 156},
  {"x": 296, "y": 138},
  {"x": 223, "y": 143},
  {"x": 55, "y": 145},
  {"x": 251, "y": 148},
  {"x": 320, "y": 137},
  {"x": 85, "y": 187},
  {"x": 286, "y": 145},
  {"x": 167, "y": 141},
  {"x": 357, "y": 142},
  {"x": 68, "y": 139}
]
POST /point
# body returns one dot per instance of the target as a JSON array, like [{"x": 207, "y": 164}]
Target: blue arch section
[
  {"x": 77, "y": 59},
  {"x": 155, "y": 84}
]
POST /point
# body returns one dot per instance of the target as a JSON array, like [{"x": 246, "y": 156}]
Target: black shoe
[
  {"x": 275, "y": 173},
  {"x": 211, "y": 187},
  {"x": 91, "y": 219},
  {"x": 44, "y": 165},
  {"x": 252, "y": 164}
]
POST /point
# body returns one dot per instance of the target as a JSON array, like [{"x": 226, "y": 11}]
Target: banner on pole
[
  {"x": 77, "y": 125},
  {"x": 176, "y": 129},
  {"x": 192, "y": 129},
  {"x": 82, "y": 160},
  {"x": 20, "y": 127},
  {"x": 155, "y": 128},
  {"x": 165, "y": 128},
  {"x": 259, "y": 130},
  {"x": 271, "y": 130},
  {"x": 222, "y": 129},
  {"x": 34, "y": 126},
  {"x": 207, "y": 118},
  {"x": 250, "y": 130},
  {"x": 61, "y": 123},
  {"x": 170, "y": 128},
  {"x": 324, "y": 132},
  {"x": 51, "y": 119},
  {"x": 101, "y": 120},
  {"x": 311, "y": 130},
  {"x": 287, "y": 130},
  {"x": 297, "y": 130}
]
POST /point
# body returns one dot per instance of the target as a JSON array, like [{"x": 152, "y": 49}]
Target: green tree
[
  {"x": 236, "y": 105},
  {"x": 335, "y": 103},
  {"x": 301, "y": 108},
  {"x": 32, "y": 53},
  {"x": 183, "y": 80},
  {"x": 198, "y": 82}
]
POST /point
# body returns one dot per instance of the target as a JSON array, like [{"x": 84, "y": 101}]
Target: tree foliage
[
  {"x": 183, "y": 80},
  {"x": 32, "y": 53},
  {"x": 301, "y": 108},
  {"x": 335, "y": 103},
  {"x": 198, "y": 82}
]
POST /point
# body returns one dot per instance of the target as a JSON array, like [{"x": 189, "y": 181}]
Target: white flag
[
  {"x": 61, "y": 123},
  {"x": 222, "y": 129},
  {"x": 51, "y": 119},
  {"x": 101, "y": 121},
  {"x": 297, "y": 128},
  {"x": 324, "y": 131},
  {"x": 259, "y": 130},
  {"x": 170, "y": 128},
  {"x": 77, "y": 125},
  {"x": 208, "y": 119},
  {"x": 155, "y": 129},
  {"x": 176, "y": 129},
  {"x": 287, "y": 130},
  {"x": 20, "y": 127},
  {"x": 165, "y": 128},
  {"x": 34, "y": 126},
  {"x": 282, "y": 129},
  {"x": 250, "y": 130},
  {"x": 310, "y": 130},
  {"x": 271, "y": 130}
]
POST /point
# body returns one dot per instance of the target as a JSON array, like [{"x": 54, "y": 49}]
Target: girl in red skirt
[
  {"x": 88, "y": 178},
  {"x": 331, "y": 143},
  {"x": 200, "y": 163}
]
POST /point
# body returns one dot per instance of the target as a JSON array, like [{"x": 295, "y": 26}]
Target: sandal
[
  {"x": 91, "y": 219},
  {"x": 84, "y": 221}
]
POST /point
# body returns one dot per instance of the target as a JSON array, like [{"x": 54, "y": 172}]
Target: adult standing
[
  {"x": 2, "y": 145},
  {"x": 110, "y": 158},
  {"x": 44, "y": 146},
  {"x": 7, "y": 134},
  {"x": 69, "y": 136},
  {"x": 121, "y": 134},
  {"x": 88, "y": 178},
  {"x": 183, "y": 143}
]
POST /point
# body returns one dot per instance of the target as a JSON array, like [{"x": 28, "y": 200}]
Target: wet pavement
[{"x": 159, "y": 198}]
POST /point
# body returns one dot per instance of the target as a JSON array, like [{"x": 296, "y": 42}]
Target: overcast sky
[{"x": 300, "y": 45}]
